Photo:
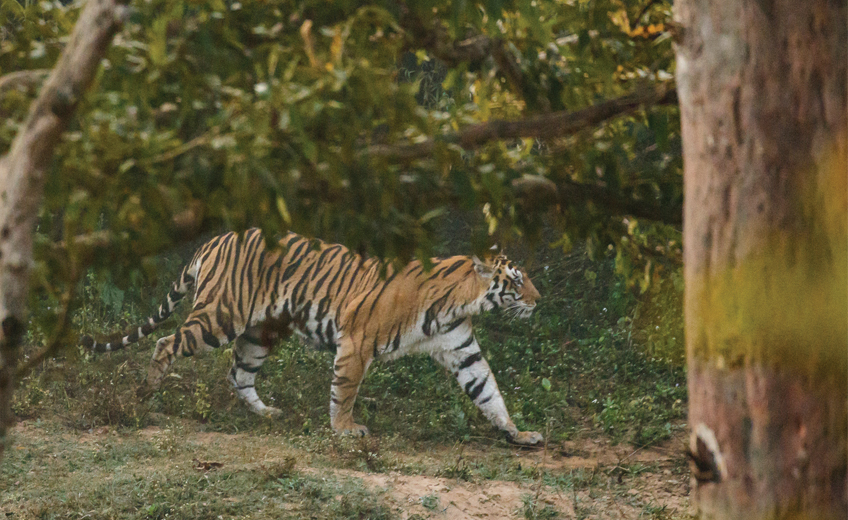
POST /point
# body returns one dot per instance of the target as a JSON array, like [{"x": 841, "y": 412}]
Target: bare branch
[
  {"x": 557, "y": 124},
  {"x": 512, "y": 72},
  {"x": 23, "y": 171},
  {"x": 471, "y": 49},
  {"x": 201, "y": 140},
  {"x": 57, "y": 342},
  {"x": 547, "y": 126}
]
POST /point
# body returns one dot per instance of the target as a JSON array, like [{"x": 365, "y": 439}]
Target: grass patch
[
  {"x": 535, "y": 510},
  {"x": 130, "y": 476},
  {"x": 593, "y": 360}
]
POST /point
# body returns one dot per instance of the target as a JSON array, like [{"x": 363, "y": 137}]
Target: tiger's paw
[
  {"x": 270, "y": 412},
  {"x": 527, "y": 438},
  {"x": 354, "y": 430}
]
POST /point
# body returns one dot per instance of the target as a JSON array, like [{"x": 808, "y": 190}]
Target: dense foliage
[
  {"x": 211, "y": 115},
  {"x": 271, "y": 113}
]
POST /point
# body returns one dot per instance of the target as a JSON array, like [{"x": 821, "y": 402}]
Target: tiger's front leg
[
  {"x": 248, "y": 356},
  {"x": 462, "y": 356},
  {"x": 349, "y": 369}
]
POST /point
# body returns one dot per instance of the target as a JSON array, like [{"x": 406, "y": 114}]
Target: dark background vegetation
[
  {"x": 279, "y": 114},
  {"x": 285, "y": 115}
]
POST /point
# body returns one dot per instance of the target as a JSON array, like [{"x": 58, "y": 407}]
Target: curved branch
[
  {"x": 185, "y": 226},
  {"x": 23, "y": 79},
  {"x": 471, "y": 49},
  {"x": 556, "y": 124},
  {"x": 435, "y": 38}
]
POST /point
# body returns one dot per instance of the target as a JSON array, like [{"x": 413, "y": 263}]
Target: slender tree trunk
[
  {"x": 22, "y": 177},
  {"x": 764, "y": 109}
]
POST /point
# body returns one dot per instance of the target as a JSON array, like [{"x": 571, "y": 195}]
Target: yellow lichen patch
[{"x": 786, "y": 304}]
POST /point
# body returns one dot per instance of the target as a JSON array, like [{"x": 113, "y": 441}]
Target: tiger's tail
[{"x": 179, "y": 289}]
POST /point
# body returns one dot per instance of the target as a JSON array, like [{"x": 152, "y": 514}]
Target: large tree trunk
[
  {"x": 22, "y": 177},
  {"x": 764, "y": 109}
]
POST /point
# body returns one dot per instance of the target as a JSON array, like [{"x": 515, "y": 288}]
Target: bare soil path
[{"x": 586, "y": 479}]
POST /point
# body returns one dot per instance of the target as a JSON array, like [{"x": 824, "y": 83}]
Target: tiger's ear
[
  {"x": 494, "y": 252},
  {"x": 482, "y": 268}
]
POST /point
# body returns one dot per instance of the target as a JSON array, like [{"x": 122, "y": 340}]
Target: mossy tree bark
[{"x": 764, "y": 109}]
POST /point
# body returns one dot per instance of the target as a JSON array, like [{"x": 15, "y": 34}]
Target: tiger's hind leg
[
  {"x": 163, "y": 357},
  {"x": 248, "y": 356},
  {"x": 189, "y": 338}
]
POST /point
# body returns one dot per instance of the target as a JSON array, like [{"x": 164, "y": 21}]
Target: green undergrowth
[
  {"x": 594, "y": 357},
  {"x": 121, "y": 477},
  {"x": 595, "y": 361}
]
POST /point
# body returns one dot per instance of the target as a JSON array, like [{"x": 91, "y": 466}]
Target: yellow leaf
[
  {"x": 308, "y": 44},
  {"x": 621, "y": 20},
  {"x": 490, "y": 219},
  {"x": 337, "y": 47},
  {"x": 283, "y": 209}
]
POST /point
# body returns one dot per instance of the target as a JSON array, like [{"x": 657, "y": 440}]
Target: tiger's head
[{"x": 509, "y": 286}]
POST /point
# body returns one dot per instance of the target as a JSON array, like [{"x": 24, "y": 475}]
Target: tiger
[{"x": 253, "y": 292}]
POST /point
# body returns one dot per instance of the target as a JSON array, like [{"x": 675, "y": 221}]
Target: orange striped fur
[{"x": 363, "y": 309}]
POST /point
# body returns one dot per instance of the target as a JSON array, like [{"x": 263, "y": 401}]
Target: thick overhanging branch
[
  {"x": 540, "y": 192},
  {"x": 23, "y": 174},
  {"x": 547, "y": 126}
]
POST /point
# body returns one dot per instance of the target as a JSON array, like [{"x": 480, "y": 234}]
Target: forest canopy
[{"x": 358, "y": 123}]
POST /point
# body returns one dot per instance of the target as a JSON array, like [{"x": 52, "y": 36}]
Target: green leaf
[{"x": 432, "y": 214}]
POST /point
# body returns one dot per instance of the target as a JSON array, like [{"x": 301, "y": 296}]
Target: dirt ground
[
  {"x": 501, "y": 500},
  {"x": 657, "y": 481},
  {"x": 606, "y": 481}
]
